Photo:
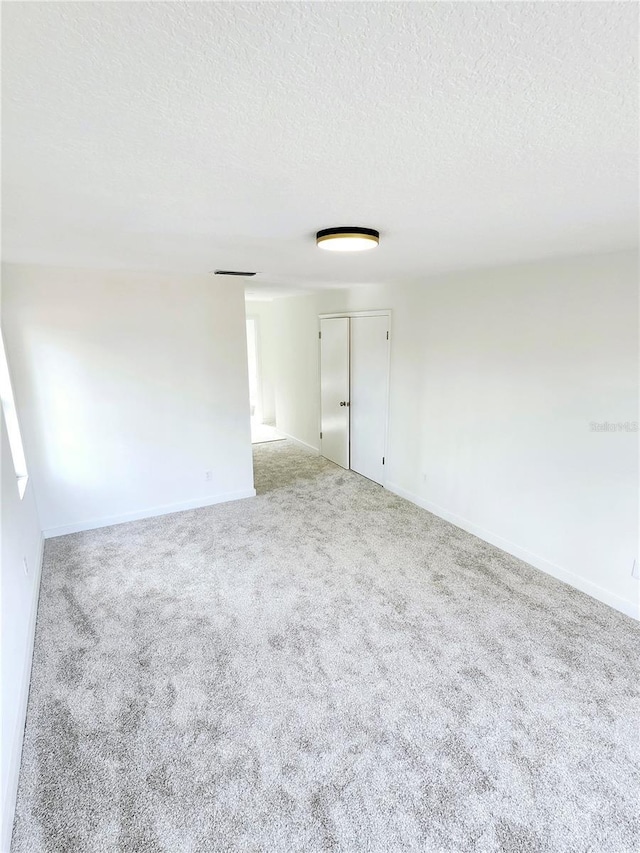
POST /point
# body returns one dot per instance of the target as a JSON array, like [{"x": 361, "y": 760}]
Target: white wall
[
  {"x": 21, "y": 539},
  {"x": 131, "y": 386},
  {"x": 267, "y": 349},
  {"x": 297, "y": 387},
  {"x": 496, "y": 376}
]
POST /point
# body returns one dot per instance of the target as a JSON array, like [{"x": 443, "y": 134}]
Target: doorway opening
[{"x": 260, "y": 431}]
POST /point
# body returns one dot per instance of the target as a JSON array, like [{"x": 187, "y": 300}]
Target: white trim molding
[
  {"x": 379, "y": 312},
  {"x": 629, "y": 608},
  {"x": 299, "y": 441},
  {"x": 151, "y": 512}
]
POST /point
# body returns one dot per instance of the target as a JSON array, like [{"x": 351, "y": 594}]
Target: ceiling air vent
[{"x": 232, "y": 272}]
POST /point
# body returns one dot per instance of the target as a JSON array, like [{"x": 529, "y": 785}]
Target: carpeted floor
[{"x": 325, "y": 667}]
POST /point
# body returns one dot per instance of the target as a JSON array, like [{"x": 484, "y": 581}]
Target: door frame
[
  {"x": 384, "y": 312},
  {"x": 255, "y": 318}
]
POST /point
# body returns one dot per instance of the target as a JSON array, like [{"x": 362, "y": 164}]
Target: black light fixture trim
[
  {"x": 347, "y": 239},
  {"x": 232, "y": 272},
  {"x": 331, "y": 232}
]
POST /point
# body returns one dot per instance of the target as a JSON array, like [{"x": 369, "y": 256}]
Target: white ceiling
[{"x": 190, "y": 136}]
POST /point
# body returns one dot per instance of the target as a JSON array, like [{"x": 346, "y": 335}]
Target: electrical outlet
[
  {"x": 208, "y": 475},
  {"x": 635, "y": 570},
  {"x": 25, "y": 565}
]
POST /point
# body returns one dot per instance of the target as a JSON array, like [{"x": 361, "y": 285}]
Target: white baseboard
[
  {"x": 316, "y": 450},
  {"x": 629, "y": 608},
  {"x": 151, "y": 512},
  {"x": 9, "y": 805}
]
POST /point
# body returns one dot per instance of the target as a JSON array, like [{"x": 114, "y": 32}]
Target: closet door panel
[
  {"x": 334, "y": 389},
  {"x": 368, "y": 409}
]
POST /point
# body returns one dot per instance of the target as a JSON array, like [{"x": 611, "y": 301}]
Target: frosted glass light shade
[{"x": 347, "y": 239}]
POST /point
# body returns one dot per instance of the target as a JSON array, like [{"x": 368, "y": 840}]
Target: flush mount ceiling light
[{"x": 347, "y": 239}]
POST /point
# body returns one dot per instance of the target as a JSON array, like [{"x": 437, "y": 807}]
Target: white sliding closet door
[
  {"x": 334, "y": 389},
  {"x": 369, "y": 378}
]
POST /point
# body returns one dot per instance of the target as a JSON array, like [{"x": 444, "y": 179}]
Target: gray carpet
[{"x": 325, "y": 667}]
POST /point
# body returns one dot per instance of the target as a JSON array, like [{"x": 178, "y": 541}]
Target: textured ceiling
[{"x": 190, "y": 136}]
